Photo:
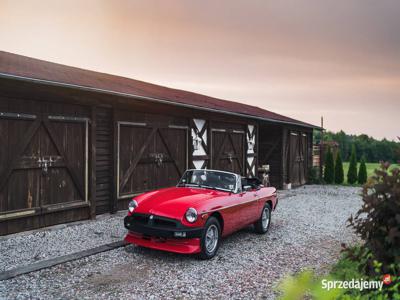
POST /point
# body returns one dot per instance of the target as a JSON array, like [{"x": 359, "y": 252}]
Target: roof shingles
[{"x": 22, "y": 66}]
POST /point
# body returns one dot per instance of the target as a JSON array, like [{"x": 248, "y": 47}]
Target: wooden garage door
[
  {"x": 228, "y": 150},
  {"x": 149, "y": 157},
  {"x": 297, "y": 159},
  {"x": 43, "y": 164}
]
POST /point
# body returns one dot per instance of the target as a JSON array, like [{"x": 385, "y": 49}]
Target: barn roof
[{"x": 27, "y": 68}]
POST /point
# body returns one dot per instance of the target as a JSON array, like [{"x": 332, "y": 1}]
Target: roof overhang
[{"x": 151, "y": 99}]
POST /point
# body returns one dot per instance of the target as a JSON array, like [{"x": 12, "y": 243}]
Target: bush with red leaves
[{"x": 378, "y": 220}]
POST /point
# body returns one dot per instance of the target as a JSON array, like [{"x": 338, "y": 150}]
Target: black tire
[
  {"x": 213, "y": 225},
  {"x": 261, "y": 227}
]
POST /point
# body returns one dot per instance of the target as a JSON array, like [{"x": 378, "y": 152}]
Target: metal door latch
[
  {"x": 158, "y": 158},
  {"x": 230, "y": 156},
  {"x": 45, "y": 163}
]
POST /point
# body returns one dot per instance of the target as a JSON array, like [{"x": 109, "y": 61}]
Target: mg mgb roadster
[{"x": 193, "y": 216}]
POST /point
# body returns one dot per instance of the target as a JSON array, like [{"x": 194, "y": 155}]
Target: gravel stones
[
  {"x": 306, "y": 232},
  {"x": 29, "y": 247}
]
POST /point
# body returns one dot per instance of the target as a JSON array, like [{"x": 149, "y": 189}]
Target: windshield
[{"x": 209, "y": 179}]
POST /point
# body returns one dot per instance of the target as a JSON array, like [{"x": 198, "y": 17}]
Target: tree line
[
  {"x": 371, "y": 149},
  {"x": 333, "y": 169}
]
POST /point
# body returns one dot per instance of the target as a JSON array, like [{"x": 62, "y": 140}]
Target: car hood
[{"x": 174, "y": 202}]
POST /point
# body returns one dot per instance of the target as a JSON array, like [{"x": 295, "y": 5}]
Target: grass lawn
[{"x": 370, "y": 168}]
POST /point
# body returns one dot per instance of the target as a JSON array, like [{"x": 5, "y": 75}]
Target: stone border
[{"x": 58, "y": 260}]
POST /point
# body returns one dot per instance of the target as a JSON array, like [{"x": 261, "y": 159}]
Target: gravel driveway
[
  {"x": 306, "y": 232},
  {"x": 29, "y": 247}
]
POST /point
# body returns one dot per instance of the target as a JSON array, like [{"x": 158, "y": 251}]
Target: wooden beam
[
  {"x": 93, "y": 164},
  {"x": 257, "y": 149},
  {"x": 284, "y": 157},
  {"x": 201, "y": 157},
  {"x": 114, "y": 191},
  {"x": 44, "y": 264}
]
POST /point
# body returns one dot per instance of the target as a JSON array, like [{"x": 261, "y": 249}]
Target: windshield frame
[{"x": 237, "y": 188}]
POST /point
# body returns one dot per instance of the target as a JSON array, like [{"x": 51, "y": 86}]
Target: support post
[
  {"x": 321, "y": 149},
  {"x": 93, "y": 165},
  {"x": 114, "y": 196},
  {"x": 284, "y": 156}
]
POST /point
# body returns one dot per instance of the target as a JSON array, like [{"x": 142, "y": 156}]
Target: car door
[
  {"x": 237, "y": 209},
  {"x": 248, "y": 207}
]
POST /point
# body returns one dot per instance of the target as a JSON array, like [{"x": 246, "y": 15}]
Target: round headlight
[
  {"x": 132, "y": 205},
  {"x": 191, "y": 215}
]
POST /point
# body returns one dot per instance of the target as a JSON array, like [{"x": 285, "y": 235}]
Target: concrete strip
[{"x": 58, "y": 260}]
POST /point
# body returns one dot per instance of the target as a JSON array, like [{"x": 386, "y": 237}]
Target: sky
[{"x": 304, "y": 59}]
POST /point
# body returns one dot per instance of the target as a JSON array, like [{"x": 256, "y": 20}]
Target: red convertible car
[{"x": 193, "y": 216}]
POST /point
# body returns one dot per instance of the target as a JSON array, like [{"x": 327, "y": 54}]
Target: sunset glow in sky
[{"x": 303, "y": 59}]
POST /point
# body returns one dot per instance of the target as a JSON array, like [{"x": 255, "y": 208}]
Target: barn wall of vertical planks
[{"x": 76, "y": 143}]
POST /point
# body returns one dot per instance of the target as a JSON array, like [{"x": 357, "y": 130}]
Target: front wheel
[
  {"x": 210, "y": 239},
  {"x": 262, "y": 224}
]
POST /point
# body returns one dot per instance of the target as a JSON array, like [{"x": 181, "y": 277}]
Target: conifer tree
[
  {"x": 339, "y": 174},
  {"x": 352, "y": 173},
  {"x": 329, "y": 171},
  {"x": 362, "y": 172}
]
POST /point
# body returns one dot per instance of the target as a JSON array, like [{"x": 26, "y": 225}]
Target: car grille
[
  {"x": 142, "y": 219},
  {"x": 156, "y": 221}
]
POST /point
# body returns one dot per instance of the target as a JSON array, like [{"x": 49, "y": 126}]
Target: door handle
[{"x": 45, "y": 164}]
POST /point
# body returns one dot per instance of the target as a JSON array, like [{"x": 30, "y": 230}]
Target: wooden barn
[{"x": 76, "y": 143}]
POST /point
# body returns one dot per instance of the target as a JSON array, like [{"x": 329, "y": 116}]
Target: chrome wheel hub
[
  {"x": 211, "y": 238},
  {"x": 265, "y": 218}
]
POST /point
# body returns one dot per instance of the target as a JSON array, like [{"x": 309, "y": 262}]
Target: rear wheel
[
  {"x": 210, "y": 239},
  {"x": 262, "y": 224}
]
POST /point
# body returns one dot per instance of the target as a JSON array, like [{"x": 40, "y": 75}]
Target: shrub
[
  {"x": 339, "y": 174},
  {"x": 398, "y": 152},
  {"x": 378, "y": 224},
  {"x": 350, "y": 266},
  {"x": 313, "y": 176},
  {"x": 378, "y": 220},
  {"x": 352, "y": 173},
  {"x": 362, "y": 172},
  {"x": 306, "y": 285},
  {"x": 359, "y": 262},
  {"x": 329, "y": 172}
]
